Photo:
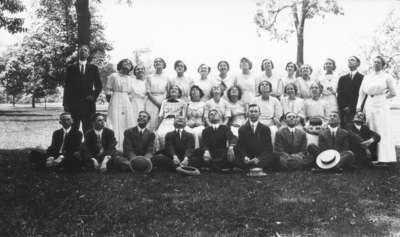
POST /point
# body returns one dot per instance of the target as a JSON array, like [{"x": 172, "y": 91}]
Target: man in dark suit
[
  {"x": 64, "y": 144},
  {"x": 81, "y": 89},
  {"x": 214, "y": 153},
  {"x": 254, "y": 148},
  {"x": 348, "y": 87},
  {"x": 334, "y": 138},
  {"x": 179, "y": 147},
  {"x": 98, "y": 150},
  {"x": 138, "y": 141},
  {"x": 363, "y": 141},
  {"x": 291, "y": 143}
]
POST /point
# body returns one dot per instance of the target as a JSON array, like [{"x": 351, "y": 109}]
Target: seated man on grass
[
  {"x": 254, "y": 148},
  {"x": 333, "y": 138},
  {"x": 179, "y": 147},
  {"x": 64, "y": 144},
  {"x": 214, "y": 153},
  {"x": 291, "y": 143},
  {"x": 363, "y": 141},
  {"x": 138, "y": 141},
  {"x": 98, "y": 150}
]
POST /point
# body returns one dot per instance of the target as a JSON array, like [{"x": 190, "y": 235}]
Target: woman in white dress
[
  {"x": 304, "y": 82},
  {"x": 118, "y": 92},
  {"x": 277, "y": 83},
  {"x": 376, "y": 89},
  {"x": 270, "y": 108},
  {"x": 157, "y": 86},
  {"x": 195, "y": 115},
  {"x": 330, "y": 83},
  {"x": 138, "y": 91},
  {"x": 170, "y": 108},
  {"x": 222, "y": 79},
  {"x": 216, "y": 102},
  {"x": 238, "y": 109},
  {"x": 291, "y": 69},
  {"x": 291, "y": 103},
  {"x": 185, "y": 83},
  {"x": 247, "y": 81},
  {"x": 204, "y": 82}
]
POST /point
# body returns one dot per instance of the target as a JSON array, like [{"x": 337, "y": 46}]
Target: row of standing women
[{"x": 306, "y": 96}]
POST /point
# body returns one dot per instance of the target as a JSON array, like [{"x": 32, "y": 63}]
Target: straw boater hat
[
  {"x": 188, "y": 170},
  {"x": 256, "y": 172},
  {"x": 140, "y": 164},
  {"x": 328, "y": 159}
]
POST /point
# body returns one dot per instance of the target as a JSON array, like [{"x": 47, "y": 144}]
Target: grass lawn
[{"x": 357, "y": 203}]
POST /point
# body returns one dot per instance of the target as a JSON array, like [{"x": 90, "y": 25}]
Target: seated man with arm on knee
[
  {"x": 291, "y": 143},
  {"x": 214, "y": 153},
  {"x": 98, "y": 149},
  {"x": 138, "y": 141},
  {"x": 334, "y": 138},
  {"x": 254, "y": 148},
  {"x": 64, "y": 144},
  {"x": 363, "y": 141},
  {"x": 179, "y": 147}
]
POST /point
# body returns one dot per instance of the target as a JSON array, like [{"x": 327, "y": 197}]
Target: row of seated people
[{"x": 356, "y": 146}]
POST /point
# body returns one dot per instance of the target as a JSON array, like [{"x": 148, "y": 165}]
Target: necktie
[
  {"x": 253, "y": 127},
  {"x": 292, "y": 136},
  {"x": 62, "y": 145},
  {"x": 141, "y": 133},
  {"x": 82, "y": 70},
  {"x": 215, "y": 128},
  {"x": 351, "y": 75},
  {"x": 333, "y": 139},
  {"x": 99, "y": 143}
]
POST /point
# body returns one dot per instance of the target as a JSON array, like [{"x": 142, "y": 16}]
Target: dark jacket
[
  {"x": 71, "y": 145},
  {"x": 257, "y": 144},
  {"x": 284, "y": 143},
  {"x": 217, "y": 140},
  {"x": 181, "y": 147},
  {"x": 341, "y": 140},
  {"x": 348, "y": 91},
  {"x": 89, "y": 148},
  {"x": 135, "y": 146}
]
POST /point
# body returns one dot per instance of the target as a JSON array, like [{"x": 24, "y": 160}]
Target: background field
[{"x": 355, "y": 203}]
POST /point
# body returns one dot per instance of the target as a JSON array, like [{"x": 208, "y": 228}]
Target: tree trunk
[
  {"x": 13, "y": 100},
  {"x": 45, "y": 103},
  {"x": 33, "y": 101},
  {"x": 82, "y": 10}
]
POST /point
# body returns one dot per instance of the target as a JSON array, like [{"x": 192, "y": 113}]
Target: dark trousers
[
  {"x": 346, "y": 157},
  {"x": 346, "y": 118},
  {"x": 219, "y": 160},
  {"x": 82, "y": 113},
  {"x": 270, "y": 160},
  {"x": 360, "y": 154},
  {"x": 73, "y": 162}
]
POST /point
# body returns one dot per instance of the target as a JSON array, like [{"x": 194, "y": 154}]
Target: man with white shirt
[
  {"x": 81, "y": 89},
  {"x": 138, "y": 141},
  {"x": 334, "y": 138},
  {"x": 254, "y": 148},
  {"x": 363, "y": 141},
  {"x": 291, "y": 143},
  {"x": 64, "y": 144},
  {"x": 348, "y": 87},
  {"x": 98, "y": 150},
  {"x": 214, "y": 152},
  {"x": 179, "y": 147}
]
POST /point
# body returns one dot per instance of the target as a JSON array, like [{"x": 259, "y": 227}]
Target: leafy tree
[
  {"x": 12, "y": 24},
  {"x": 386, "y": 43},
  {"x": 282, "y": 18}
]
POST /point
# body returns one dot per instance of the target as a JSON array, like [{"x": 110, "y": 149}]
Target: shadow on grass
[{"x": 364, "y": 202}]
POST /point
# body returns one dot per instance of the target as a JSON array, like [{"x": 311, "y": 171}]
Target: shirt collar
[
  {"x": 352, "y": 73},
  {"x": 254, "y": 123},
  {"x": 98, "y": 132},
  {"x": 177, "y": 129},
  {"x": 357, "y": 126},
  {"x": 67, "y": 130},
  {"x": 215, "y": 125},
  {"x": 333, "y": 129},
  {"x": 292, "y": 129},
  {"x": 82, "y": 62}
]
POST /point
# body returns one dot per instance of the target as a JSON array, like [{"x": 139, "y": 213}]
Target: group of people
[{"x": 241, "y": 121}]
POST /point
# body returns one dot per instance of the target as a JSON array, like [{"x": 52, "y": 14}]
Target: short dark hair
[
  {"x": 94, "y": 116},
  {"x": 333, "y": 62},
  {"x": 262, "y": 64},
  {"x": 254, "y": 105},
  {"x": 295, "y": 66},
  {"x": 203, "y": 64},
  {"x": 165, "y": 64},
  {"x": 65, "y": 113},
  {"x": 144, "y": 111},
  {"x": 250, "y": 63},
  {"x": 209, "y": 112},
  {"x": 180, "y": 61},
  {"x": 198, "y": 88},
  {"x": 179, "y": 90},
  {"x": 382, "y": 60},
  {"x": 259, "y": 86},
  {"x": 212, "y": 90},
  {"x": 227, "y": 64},
  {"x": 119, "y": 65},
  {"x": 228, "y": 93},
  {"x": 357, "y": 60},
  {"x": 139, "y": 65},
  {"x": 335, "y": 112},
  {"x": 294, "y": 87}
]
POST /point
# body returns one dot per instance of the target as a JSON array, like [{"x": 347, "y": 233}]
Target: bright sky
[{"x": 208, "y": 31}]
